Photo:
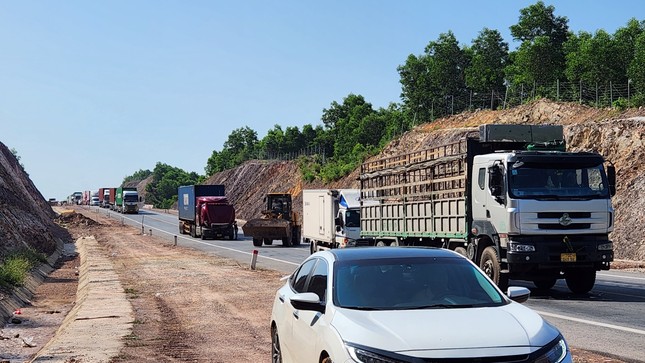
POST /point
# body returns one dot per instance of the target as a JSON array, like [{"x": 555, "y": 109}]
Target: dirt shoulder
[{"x": 187, "y": 306}]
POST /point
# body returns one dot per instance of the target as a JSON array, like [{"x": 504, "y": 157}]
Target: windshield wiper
[{"x": 440, "y": 306}]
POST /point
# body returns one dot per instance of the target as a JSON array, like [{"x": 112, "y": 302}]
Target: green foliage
[
  {"x": 16, "y": 265},
  {"x": 489, "y": 56},
  {"x": 162, "y": 191},
  {"x": 636, "y": 70},
  {"x": 137, "y": 176},
  {"x": 240, "y": 146}
]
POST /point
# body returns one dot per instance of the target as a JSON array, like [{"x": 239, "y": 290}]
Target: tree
[
  {"x": 162, "y": 190},
  {"x": 489, "y": 56},
  {"x": 589, "y": 58},
  {"x": 137, "y": 176},
  {"x": 540, "y": 57},
  {"x": 624, "y": 49},
  {"x": 240, "y": 146},
  {"x": 636, "y": 70}
]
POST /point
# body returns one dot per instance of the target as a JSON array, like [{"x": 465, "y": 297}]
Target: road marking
[
  {"x": 212, "y": 245},
  {"x": 589, "y": 322}
]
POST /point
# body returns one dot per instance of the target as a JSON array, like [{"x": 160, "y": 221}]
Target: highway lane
[{"x": 609, "y": 319}]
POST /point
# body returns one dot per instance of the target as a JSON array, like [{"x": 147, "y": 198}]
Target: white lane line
[
  {"x": 589, "y": 322},
  {"x": 622, "y": 277},
  {"x": 220, "y": 247}
]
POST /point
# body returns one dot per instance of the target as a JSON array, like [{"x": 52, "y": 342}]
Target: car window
[
  {"x": 412, "y": 283},
  {"x": 318, "y": 280},
  {"x": 299, "y": 279}
]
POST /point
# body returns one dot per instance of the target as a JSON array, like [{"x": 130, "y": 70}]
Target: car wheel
[
  {"x": 326, "y": 360},
  {"x": 257, "y": 242},
  {"x": 580, "y": 282},
  {"x": 490, "y": 265},
  {"x": 276, "y": 354}
]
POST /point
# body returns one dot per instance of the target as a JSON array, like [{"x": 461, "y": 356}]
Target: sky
[{"x": 93, "y": 91}]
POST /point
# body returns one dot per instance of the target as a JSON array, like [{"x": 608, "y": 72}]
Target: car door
[
  {"x": 309, "y": 325},
  {"x": 284, "y": 311}
]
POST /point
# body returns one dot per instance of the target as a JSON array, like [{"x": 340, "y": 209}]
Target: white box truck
[{"x": 331, "y": 219}]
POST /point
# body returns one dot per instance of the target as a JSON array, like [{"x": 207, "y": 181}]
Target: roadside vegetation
[
  {"x": 16, "y": 265},
  {"x": 598, "y": 69}
]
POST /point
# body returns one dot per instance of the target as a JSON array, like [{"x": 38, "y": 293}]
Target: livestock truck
[
  {"x": 126, "y": 200},
  {"x": 331, "y": 219},
  {"x": 511, "y": 199},
  {"x": 204, "y": 211}
]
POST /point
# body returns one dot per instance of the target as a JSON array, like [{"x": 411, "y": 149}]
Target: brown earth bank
[{"x": 188, "y": 306}]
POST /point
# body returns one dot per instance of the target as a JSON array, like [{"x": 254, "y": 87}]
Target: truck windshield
[
  {"x": 557, "y": 181},
  {"x": 131, "y": 198},
  {"x": 352, "y": 218}
]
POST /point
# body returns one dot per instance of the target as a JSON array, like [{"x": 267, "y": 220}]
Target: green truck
[{"x": 127, "y": 200}]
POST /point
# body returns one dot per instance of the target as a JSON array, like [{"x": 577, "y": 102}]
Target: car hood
[{"x": 503, "y": 330}]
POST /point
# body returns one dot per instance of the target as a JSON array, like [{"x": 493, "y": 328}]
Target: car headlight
[
  {"x": 366, "y": 356},
  {"x": 556, "y": 354}
]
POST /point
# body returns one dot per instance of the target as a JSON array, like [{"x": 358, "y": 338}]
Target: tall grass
[{"x": 15, "y": 266}]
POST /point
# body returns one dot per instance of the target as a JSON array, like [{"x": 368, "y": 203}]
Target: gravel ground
[{"x": 188, "y": 306}]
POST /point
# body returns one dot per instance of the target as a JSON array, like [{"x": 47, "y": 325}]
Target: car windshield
[
  {"x": 412, "y": 283},
  {"x": 559, "y": 182}
]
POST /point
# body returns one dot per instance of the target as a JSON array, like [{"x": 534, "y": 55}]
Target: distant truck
[
  {"x": 109, "y": 198},
  {"x": 205, "y": 212},
  {"x": 511, "y": 199},
  {"x": 101, "y": 195},
  {"x": 331, "y": 219},
  {"x": 126, "y": 200}
]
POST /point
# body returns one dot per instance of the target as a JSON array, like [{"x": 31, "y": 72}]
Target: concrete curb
[{"x": 101, "y": 317}]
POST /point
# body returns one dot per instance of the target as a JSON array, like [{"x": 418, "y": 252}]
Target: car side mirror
[
  {"x": 518, "y": 294},
  {"x": 307, "y": 301}
]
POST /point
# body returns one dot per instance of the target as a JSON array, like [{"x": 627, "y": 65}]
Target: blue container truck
[{"x": 204, "y": 211}]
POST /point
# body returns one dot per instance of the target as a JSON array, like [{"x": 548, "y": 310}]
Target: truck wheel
[
  {"x": 193, "y": 231},
  {"x": 490, "y": 265},
  {"x": 257, "y": 242},
  {"x": 268, "y": 241},
  {"x": 580, "y": 281},
  {"x": 461, "y": 251},
  {"x": 295, "y": 240},
  {"x": 313, "y": 248},
  {"x": 286, "y": 242},
  {"x": 381, "y": 243},
  {"x": 545, "y": 284},
  {"x": 181, "y": 228},
  {"x": 202, "y": 235}
]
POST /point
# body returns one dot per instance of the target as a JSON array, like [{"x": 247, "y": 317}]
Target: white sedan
[{"x": 405, "y": 304}]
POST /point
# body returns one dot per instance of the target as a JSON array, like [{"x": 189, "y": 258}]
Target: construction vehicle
[
  {"x": 511, "y": 199},
  {"x": 278, "y": 222},
  {"x": 205, "y": 212}
]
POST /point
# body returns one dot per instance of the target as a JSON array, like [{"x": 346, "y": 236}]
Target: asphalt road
[{"x": 610, "y": 319}]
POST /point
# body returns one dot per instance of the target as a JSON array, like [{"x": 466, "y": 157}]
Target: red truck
[{"x": 205, "y": 212}]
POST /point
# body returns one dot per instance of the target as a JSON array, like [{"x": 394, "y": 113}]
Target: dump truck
[
  {"x": 126, "y": 200},
  {"x": 510, "y": 198},
  {"x": 278, "y": 222},
  {"x": 205, "y": 212},
  {"x": 331, "y": 219}
]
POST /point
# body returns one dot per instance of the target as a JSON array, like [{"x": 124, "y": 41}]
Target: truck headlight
[
  {"x": 606, "y": 246},
  {"x": 514, "y": 247},
  {"x": 556, "y": 354}
]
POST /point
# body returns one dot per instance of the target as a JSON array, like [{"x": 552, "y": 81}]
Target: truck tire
[
  {"x": 545, "y": 284},
  {"x": 193, "y": 231},
  {"x": 295, "y": 239},
  {"x": 491, "y": 267},
  {"x": 286, "y": 242},
  {"x": 181, "y": 228},
  {"x": 461, "y": 251},
  {"x": 268, "y": 241},
  {"x": 313, "y": 247},
  {"x": 580, "y": 281},
  {"x": 257, "y": 242}
]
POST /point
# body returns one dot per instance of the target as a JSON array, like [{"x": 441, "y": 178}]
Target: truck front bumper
[{"x": 559, "y": 252}]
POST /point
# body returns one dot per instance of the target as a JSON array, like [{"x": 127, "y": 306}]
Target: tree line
[{"x": 550, "y": 61}]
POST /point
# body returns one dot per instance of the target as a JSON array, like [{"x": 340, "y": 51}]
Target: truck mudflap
[
  {"x": 267, "y": 228},
  {"x": 558, "y": 253}
]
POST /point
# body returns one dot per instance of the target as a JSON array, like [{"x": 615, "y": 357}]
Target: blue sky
[{"x": 92, "y": 91}]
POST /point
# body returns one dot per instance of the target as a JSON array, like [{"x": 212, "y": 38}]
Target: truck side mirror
[
  {"x": 611, "y": 177},
  {"x": 496, "y": 182}
]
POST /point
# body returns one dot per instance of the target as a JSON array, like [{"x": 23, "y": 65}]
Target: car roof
[{"x": 356, "y": 253}]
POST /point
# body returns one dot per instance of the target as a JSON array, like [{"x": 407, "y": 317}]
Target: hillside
[{"x": 619, "y": 136}]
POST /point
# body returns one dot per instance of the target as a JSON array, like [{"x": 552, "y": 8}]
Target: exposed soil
[{"x": 188, "y": 306}]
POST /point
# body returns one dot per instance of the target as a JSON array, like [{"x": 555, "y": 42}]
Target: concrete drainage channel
[{"x": 101, "y": 317}]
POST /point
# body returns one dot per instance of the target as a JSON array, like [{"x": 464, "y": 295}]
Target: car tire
[
  {"x": 326, "y": 360},
  {"x": 276, "y": 353}
]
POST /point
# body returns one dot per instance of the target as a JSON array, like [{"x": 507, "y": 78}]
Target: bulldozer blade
[{"x": 267, "y": 228}]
